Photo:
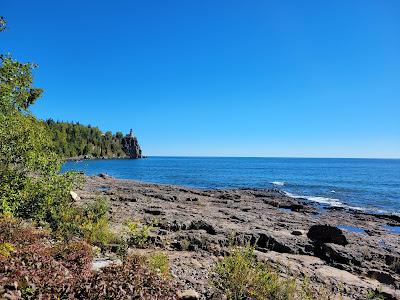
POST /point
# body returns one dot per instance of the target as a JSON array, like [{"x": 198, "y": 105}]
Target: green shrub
[
  {"x": 6, "y": 249},
  {"x": 31, "y": 184},
  {"x": 158, "y": 262},
  {"x": 90, "y": 222},
  {"x": 95, "y": 226},
  {"x": 241, "y": 276},
  {"x": 139, "y": 233}
]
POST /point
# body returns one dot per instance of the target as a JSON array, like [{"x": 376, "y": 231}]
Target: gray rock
[
  {"x": 188, "y": 295},
  {"x": 74, "y": 196}
]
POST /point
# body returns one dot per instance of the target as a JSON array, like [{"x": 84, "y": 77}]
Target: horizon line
[{"x": 295, "y": 157}]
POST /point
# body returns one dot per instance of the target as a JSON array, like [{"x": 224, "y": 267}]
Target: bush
[
  {"x": 31, "y": 184},
  {"x": 241, "y": 276},
  {"x": 139, "y": 234},
  {"x": 159, "y": 263},
  {"x": 95, "y": 227},
  {"x": 39, "y": 267},
  {"x": 133, "y": 280},
  {"x": 90, "y": 222}
]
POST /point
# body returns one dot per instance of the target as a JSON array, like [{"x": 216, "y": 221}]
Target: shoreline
[
  {"x": 194, "y": 227},
  {"x": 319, "y": 205},
  {"x": 85, "y": 158}
]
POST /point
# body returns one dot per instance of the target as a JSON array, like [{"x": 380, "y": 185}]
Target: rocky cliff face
[{"x": 131, "y": 146}]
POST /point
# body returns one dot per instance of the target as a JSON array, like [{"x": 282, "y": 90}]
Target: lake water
[{"x": 366, "y": 184}]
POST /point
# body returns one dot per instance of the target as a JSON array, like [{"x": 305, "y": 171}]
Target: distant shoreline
[{"x": 86, "y": 157}]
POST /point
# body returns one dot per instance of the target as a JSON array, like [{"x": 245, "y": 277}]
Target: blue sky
[{"x": 219, "y": 78}]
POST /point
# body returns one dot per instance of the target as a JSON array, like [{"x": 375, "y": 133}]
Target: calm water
[{"x": 368, "y": 184}]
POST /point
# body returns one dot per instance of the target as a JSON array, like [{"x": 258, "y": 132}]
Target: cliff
[
  {"x": 76, "y": 141},
  {"x": 131, "y": 146}
]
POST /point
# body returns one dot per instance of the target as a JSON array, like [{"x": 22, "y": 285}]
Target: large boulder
[{"x": 327, "y": 234}]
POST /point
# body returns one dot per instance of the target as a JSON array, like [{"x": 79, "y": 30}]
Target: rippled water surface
[{"x": 369, "y": 184}]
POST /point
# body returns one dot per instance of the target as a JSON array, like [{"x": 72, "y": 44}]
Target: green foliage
[
  {"x": 31, "y": 185},
  {"x": 74, "y": 139},
  {"x": 6, "y": 249},
  {"x": 376, "y": 294},
  {"x": 139, "y": 234},
  {"x": 90, "y": 222},
  {"x": 158, "y": 262},
  {"x": 95, "y": 227},
  {"x": 241, "y": 276}
]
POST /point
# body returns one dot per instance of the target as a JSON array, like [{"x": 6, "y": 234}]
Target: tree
[{"x": 31, "y": 184}]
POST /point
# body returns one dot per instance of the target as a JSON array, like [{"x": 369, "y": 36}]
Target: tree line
[{"x": 74, "y": 140}]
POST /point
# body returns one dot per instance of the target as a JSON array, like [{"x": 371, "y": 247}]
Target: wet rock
[
  {"x": 388, "y": 217},
  {"x": 292, "y": 207},
  {"x": 327, "y": 234},
  {"x": 104, "y": 176}
]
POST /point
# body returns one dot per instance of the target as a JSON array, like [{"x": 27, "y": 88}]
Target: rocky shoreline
[{"x": 350, "y": 254}]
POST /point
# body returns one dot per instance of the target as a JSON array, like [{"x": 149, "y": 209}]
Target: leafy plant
[
  {"x": 158, "y": 262},
  {"x": 39, "y": 267},
  {"x": 139, "y": 233},
  {"x": 6, "y": 249},
  {"x": 240, "y": 276}
]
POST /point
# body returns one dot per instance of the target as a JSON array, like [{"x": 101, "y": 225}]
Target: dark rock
[
  {"x": 336, "y": 255},
  {"x": 382, "y": 276},
  {"x": 202, "y": 225},
  {"x": 165, "y": 197},
  {"x": 327, "y": 234},
  {"x": 155, "y": 211},
  {"x": 236, "y": 218},
  {"x": 173, "y": 225},
  {"x": 296, "y": 232},
  {"x": 104, "y": 175},
  {"x": 162, "y": 232},
  {"x": 262, "y": 242},
  {"x": 192, "y": 199},
  {"x": 388, "y": 217},
  {"x": 293, "y": 207},
  {"x": 246, "y": 209},
  {"x": 177, "y": 245},
  {"x": 265, "y": 241},
  {"x": 131, "y": 146}
]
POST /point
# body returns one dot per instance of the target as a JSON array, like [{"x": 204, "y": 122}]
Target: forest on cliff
[{"x": 74, "y": 139}]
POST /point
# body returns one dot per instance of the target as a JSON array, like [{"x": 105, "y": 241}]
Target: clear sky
[{"x": 220, "y": 78}]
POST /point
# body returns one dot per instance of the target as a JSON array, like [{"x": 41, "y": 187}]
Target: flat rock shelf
[{"x": 196, "y": 227}]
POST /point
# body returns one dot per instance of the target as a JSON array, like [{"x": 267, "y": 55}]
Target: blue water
[{"x": 368, "y": 184}]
